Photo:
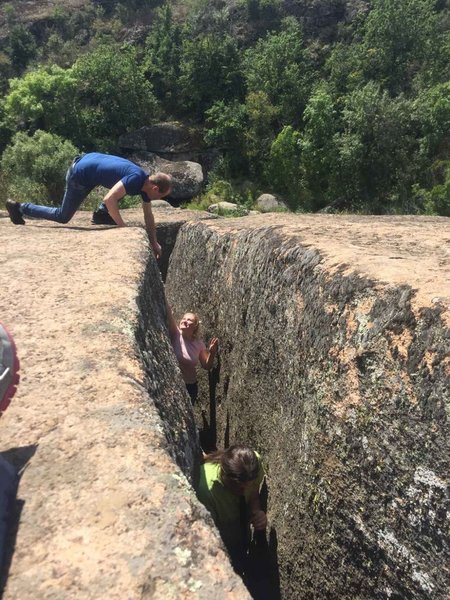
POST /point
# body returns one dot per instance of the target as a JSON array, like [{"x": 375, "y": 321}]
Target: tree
[
  {"x": 398, "y": 39},
  {"x": 276, "y": 66},
  {"x": 21, "y": 47},
  {"x": 283, "y": 170},
  {"x": 210, "y": 70},
  {"x": 318, "y": 146},
  {"x": 226, "y": 125},
  {"x": 432, "y": 108},
  {"x": 162, "y": 59},
  {"x": 43, "y": 99},
  {"x": 34, "y": 167},
  {"x": 376, "y": 151},
  {"x": 113, "y": 95},
  {"x": 20, "y": 44},
  {"x": 262, "y": 118}
]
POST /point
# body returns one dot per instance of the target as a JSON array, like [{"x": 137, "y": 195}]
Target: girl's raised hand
[{"x": 213, "y": 345}]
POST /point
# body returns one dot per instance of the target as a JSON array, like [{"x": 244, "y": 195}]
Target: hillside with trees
[{"x": 333, "y": 105}]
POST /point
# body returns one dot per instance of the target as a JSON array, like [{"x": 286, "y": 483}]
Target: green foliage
[
  {"x": 162, "y": 59},
  {"x": 34, "y": 167},
  {"x": 210, "y": 70},
  {"x": 6, "y": 130},
  {"x": 43, "y": 99},
  {"x": 433, "y": 112},
  {"x": 113, "y": 95},
  {"x": 399, "y": 43},
  {"x": 226, "y": 123},
  {"x": 67, "y": 33},
  {"x": 436, "y": 201},
  {"x": 6, "y": 72},
  {"x": 221, "y": 190},
  {"x": 262, "y": 118},
  {"x": 318, "y": 160},
  {"x": 263, "y": 10},
  {"x": 21, "y": 47},
  {"x": 398, "y": 38},
  {"x": 207, "y": 17},
  {"x": 361, "y": 123},
  {"x": 276, "y": 66},
  {"x": 284, "y": 171},
  {"x": 374, "y": 151},
  {"x": 129, "y": 11}
]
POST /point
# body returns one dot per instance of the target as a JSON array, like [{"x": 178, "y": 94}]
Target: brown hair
[
  {"x": 163, "y": 181},
  {"x": 237, "y": 462}
]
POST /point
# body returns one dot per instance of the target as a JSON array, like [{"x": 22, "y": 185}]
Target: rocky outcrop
[
  {"x": 172, "y": 141},
  {"x": 101, "y": 419},
  {"x": 168, "y": 225},
  {"x": 187, "y": 176},
  {"x": 269, "y": 203},
  {"x": 334, "y": 364}
]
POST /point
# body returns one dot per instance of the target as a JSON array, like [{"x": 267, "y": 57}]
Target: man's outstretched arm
[
  {"x": 111, "y": 201},
  {"x": 151, "y": 228}
]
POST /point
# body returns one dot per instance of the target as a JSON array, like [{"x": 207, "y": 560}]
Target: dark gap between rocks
[{"x": 351, "y": 425}]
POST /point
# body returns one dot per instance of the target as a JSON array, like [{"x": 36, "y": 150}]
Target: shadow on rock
[{"x": 12, "y": 464}]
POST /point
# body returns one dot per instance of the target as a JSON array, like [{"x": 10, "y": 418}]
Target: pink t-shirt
[{"x": 187, "y": 353}]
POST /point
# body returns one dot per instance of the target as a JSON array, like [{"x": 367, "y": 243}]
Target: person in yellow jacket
[{"x": 229, "y": 485}]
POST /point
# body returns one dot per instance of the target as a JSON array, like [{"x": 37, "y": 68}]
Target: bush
[
  {"x": 34, "y": 167},
  {"x": 283, "y": 169},
  {"x": 113, "y": 96},
  {"x": 221, "y": 190}
]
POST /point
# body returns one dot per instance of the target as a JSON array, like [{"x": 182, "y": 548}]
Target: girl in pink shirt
[{"x": 190, "y": 350}]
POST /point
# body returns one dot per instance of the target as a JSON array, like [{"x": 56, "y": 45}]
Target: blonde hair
[{"x": 196, "y": 332}]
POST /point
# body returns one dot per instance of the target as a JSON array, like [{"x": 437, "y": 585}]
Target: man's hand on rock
[{"x": 157, "y": 249}]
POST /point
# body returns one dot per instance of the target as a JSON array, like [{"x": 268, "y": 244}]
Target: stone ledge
[{"x": 104, "y": 510}]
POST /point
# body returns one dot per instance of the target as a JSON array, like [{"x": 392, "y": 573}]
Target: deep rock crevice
[{"x": 340, "y": 382}]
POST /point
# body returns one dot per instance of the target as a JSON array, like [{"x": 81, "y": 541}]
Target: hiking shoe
[
  {"x": 102, "y": 217},
  {"x": 14, "y": 212},
  {"x": 9, "y": 368}
]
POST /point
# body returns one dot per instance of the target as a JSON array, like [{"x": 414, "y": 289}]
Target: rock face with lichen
[{"x": 337, "y": 371}]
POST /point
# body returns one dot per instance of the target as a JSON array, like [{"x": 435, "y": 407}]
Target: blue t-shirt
[{"x": 104, "y": 169}]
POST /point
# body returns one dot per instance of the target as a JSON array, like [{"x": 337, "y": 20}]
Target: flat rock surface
[
  {"x": 103, "y": 510},
  {"x": 398, "y": 250}
]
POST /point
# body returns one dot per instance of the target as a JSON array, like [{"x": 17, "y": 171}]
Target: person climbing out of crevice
[
  {"x": 119, "y": 175},
  {"x": 229, "y": 485},
  {"x": 190, "y": 349},
  {"x": 9, "y": 379}
]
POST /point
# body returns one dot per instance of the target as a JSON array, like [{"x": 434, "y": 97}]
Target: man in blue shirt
[{"x": 119, "y": 175}]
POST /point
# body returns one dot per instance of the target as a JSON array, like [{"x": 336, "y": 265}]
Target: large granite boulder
[
  {"x": 163, "y": 138},
  {"x": 334, "y": 364},
  {"x": 187, "y": 175},
  {"x": 172, "y": 141},
  {"x": 269, "y": 203}
]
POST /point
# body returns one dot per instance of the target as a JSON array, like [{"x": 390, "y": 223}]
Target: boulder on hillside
[
  {"x": 269, "y": 203},
  {"x": 187, "y": 175},
  {"x": 162, "y": 138},
  {"x": 172, "y": 141},
  {"x": 161, "y": 204}
]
